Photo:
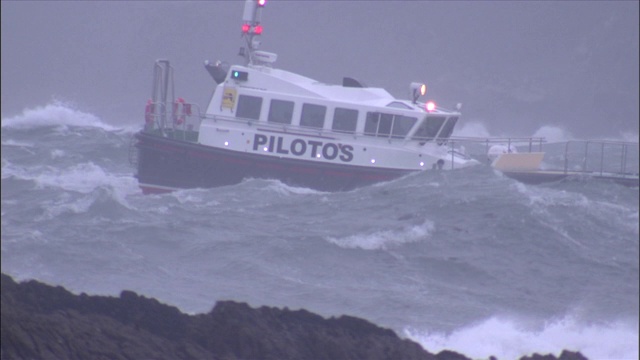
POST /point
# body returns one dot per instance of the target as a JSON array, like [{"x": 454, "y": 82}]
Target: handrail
[
  {"x": 328, "y": 132},
  {"x": 607, "y": 147}
]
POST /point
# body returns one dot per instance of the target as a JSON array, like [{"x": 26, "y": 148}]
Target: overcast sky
[{"x": 515, "y": 66}]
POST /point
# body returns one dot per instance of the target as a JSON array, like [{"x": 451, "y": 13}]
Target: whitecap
[{"x": 384, "y": 239}]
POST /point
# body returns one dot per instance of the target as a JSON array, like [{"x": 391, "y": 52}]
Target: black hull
[{"x": 165, "y": 164}]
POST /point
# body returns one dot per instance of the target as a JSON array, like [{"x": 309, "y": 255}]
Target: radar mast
[{"x": 251, "y": 28}]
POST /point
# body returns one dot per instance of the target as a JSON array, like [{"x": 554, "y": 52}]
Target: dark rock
[
  {"x": 450, "y": 355},
  {"x": 39, "y": 321},
  {"x": 44, "y": 322},
  {"x": 565, "y": 355}
]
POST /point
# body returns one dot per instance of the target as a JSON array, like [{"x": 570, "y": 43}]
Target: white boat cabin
[{"x": 266, "y": 95}]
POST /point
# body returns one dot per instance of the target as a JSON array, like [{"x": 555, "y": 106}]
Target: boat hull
[{"x": 166, "y": 164}]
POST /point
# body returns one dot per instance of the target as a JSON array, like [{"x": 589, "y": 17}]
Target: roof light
[
  {"x": 262, "y": 3},
  {"x": 430, "y": 106}
]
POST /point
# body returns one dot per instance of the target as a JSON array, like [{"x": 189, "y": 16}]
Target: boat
[{"x": 267, "y": 123}]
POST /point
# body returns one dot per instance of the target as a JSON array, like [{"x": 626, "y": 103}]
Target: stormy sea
[{"x": 466, "y": 260}]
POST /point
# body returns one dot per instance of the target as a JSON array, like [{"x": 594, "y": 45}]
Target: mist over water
[{"x": 465, "y": 260}]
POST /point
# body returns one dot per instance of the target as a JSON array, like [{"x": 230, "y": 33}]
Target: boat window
[
  {"x": 399, "y": 105},
  {"x": 448, "y": 127},
  {"x": 371, "y": 123},
  {"x": 249, "y": 107},
  {"x": 383, "y": 125},
  {"x": 345, "y": 120},
  {"x": 429, "y": 128},
  {"x": 402, "y": 125},
  {"x": 313, "y": 115},
  {"x": 280, "y": 111}
]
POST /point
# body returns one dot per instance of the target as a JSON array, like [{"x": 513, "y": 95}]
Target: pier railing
[{"x": 601, "y": 157}]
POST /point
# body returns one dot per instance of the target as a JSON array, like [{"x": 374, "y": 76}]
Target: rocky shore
[{"x": 39, "y": 321}]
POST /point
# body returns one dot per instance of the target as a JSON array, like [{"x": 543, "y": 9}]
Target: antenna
[{"x": 251, "y": 28}]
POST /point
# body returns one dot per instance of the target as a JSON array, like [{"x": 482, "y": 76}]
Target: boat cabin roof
[{"x": 284, "y": 82}]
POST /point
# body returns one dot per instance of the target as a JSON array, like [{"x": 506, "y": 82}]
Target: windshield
[
  {"x": 429, "y": 128},
  {"x": 447, "y": 129}
]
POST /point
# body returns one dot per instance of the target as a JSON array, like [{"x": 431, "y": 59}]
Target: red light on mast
[
  {"x": 245, "y": 28},
  {"x": 262, "y": 3},
  {"x": 257, "y": 29}
]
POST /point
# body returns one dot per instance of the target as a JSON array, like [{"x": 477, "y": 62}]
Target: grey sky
[{"x": 515, "y": 66}]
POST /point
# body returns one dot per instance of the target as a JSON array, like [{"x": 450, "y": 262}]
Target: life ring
[
  {"x": 179, "y": 111},
  {"x": 148, "y": 112}
]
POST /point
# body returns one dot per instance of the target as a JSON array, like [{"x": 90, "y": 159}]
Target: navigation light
[
  {"x": 240, "y": 75},
  {"x": 430, "y": 106},
  {"x": 257, "y": 29},
  {"x": 245, "y": 28},
  {"x": 262, "y": 3}
]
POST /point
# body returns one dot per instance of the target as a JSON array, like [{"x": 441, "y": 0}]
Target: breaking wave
[
  {"x": 512, "y": 339},
  {"x": 56, "y": 113}
]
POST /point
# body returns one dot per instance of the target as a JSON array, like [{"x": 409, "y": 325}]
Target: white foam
[
  {"x": 78, "y": 206},
  {"x": 472, "y": 129},
  {"x": 540, "y": 199},
  {"x": 553, "y": 134},
  {"x": 511, "y": 339},
  {"x": 19, "y": 144},
  {"x": 384, "y": 239},
  {"x": 54, "y": 114},
  {"x": 284, "y": 189},
  {"x": 83, "y": 178}
]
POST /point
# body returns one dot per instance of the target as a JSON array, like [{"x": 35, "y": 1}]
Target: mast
[{"x": 251, "y": 28}]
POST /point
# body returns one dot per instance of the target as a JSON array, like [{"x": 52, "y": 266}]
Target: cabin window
[
  {"x": 280, "y": 111},
  {"x": 371, "y": 123},
  {"x": 429, "y": 128},
  {"x": 345, "y": 120},
  {"x": 448, "y": 127},
  {"x": 384, "y": 125},
  {"x": 313, "y": 115},
  {"x": 249, "y": 107},
  {"x": 402, "y": 125}
]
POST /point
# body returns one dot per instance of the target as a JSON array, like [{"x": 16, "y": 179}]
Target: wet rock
[{"x": 39, "y": 321}]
